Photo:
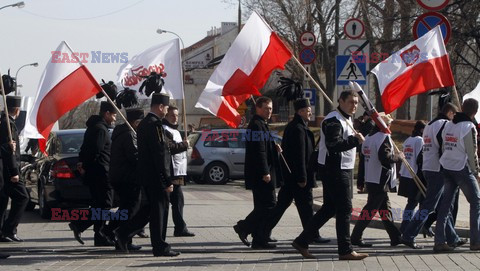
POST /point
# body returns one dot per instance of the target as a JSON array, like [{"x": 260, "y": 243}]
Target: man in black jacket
[
  {"x": 336, "y": 157},
  {"x": 261, "y": 163},
  {"x": 297, "y": 145},
  {"x": 123, "y": 169},
  {"x": 94, "y": 160},
  {"x": 14, "y": 187},
  {"x": 154, "y": 161}
]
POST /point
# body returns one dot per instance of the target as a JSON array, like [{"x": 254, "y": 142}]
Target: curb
[{"x": 377, "y": 224}]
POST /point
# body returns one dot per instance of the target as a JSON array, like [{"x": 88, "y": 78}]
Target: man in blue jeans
[
  {"x": 460, "y": 163},
  {"x": 434, "y": 176}
]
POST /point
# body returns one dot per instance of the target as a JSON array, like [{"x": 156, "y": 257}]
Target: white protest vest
[
  {"x": 347, "y": 157},
  {"x": 411, "y": 148},
  {"x": 431, "y": 146},
  {"x": 373, "y": 167},
  {"x": 179, "y": 160},
  {"x": 454, "y": 156}
]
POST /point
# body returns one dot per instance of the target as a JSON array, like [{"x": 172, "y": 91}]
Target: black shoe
[
  {"x": 361, "y": 243},
  {"x": 242, "y": 235},
  {"x": 396, "y": 242},
  {"x": 76, "y": 233},
  {"x": 460, "y": 242},
  {"x": 142, "y": 234},
  {"x": 4, "y": 256},
  {"x": 5, "y": 239},
  {"x": 263, "y": 245},
  {"x": 320, "y": 240},
  {"x": 271, "y": 240},
  {"x": 185, "y": 233},
  {"x": 428, "y": 232},
  {"x": 411, "y": 244},
  {"x": 121, "y": 243},
  {"x": 14, "y": 238},
  {"x": 132, "y": 247},
  {"x": 103, "y": 242},
  {"x": 169, "y": 253}
]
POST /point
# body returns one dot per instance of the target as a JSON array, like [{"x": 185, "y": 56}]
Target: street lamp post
[
  {"x": 16, "y": 74},
  {"x": 161, "y": 31},
  {"x": 18, "y": 5}
]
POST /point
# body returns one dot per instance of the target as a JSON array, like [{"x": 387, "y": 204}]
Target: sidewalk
[
  {"x": 398, "y": 204},
  {"x": 210, "y": 212}
]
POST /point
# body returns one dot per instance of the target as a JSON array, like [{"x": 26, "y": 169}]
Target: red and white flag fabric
[
  {"x": 418, "y": 67},
  {"x": 246, "y": 67},
  {"x": 63, "y": 86},
  {"x": 162, "y": 58}
]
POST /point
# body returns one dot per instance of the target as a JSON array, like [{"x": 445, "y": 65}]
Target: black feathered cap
[
  {"x": 106, "y": 106},
  {"x": 301, "y": 103},
  {"x": 160, "y": 98},
  {"x": 135, "y": 114},
  {"x": 14, "y": 101}
]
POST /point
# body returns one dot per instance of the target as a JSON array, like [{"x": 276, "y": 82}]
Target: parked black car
[{"x": 53, "y": 180}]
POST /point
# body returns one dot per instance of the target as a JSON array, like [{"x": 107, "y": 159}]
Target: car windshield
[{"x": 70, "y": 143}]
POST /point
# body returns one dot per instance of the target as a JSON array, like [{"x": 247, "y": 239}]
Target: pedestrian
[
  {"x": 14, "y": 186},
  {"x": 154, "y": 161},
  {"x": 261, "y": 165},
  {"x": 366, "y": 126},
  {"x": 94, "y": 161},
  {"x": 178, "y": 171},
  {"x": 6, "y": 149},
  {"x": 460, "y": 164},
  {"x": 412, "y": 148},
  {"x": 432, "y": 148},
  {"x": 299, "y": 180},
  {"x": 380, "y": 177},
  {"x": 336, "y": 158},
  {"x": 123, "y": 171}
]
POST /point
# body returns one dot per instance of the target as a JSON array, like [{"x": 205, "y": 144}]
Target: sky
[{"x": 31, "y": 33}]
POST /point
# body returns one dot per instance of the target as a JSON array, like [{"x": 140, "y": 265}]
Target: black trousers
[
  {"x": 303, "y": 200},
  {"x": 129, "y": 195},
  {"x": 264, "y": 200},
  {"x": 177, "y": 201},
  {"x": 102, "y": 197},
  {"x": 336, "y": 202},
  {"x": 377, "y": 201},
  {"x": 158, "y": 201},
  {"x": 19, "y": 196}
]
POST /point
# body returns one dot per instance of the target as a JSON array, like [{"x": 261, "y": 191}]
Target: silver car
[{"x": 217, "y": 155}]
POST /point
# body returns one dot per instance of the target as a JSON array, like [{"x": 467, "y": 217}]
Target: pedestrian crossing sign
[{"x": 351, "y": 68}]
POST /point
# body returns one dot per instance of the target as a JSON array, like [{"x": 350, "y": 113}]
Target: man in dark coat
[
  {"x": 94, "y": 160},
  {"x": 123, "y": 169},
  {"x": 261, "y": 163},
  {"x": 297, "y": 145},
  {"x": 154, "y": 161},
  {"x": 14, "y": 187}
]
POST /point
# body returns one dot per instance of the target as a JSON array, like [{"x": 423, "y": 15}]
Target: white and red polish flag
[
  {"x": 246, "y": 67},
  {"x": 63, "y": 86},
  {"x": 418, "y": 67}
]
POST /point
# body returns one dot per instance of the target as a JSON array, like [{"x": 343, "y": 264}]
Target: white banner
[{"x": 163, "y": 58}]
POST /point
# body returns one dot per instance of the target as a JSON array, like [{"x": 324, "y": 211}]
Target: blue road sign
[
  {"x": 351, "y": 68},
  {"x": 309, "y": 93},
  {"x": 428, "y": 21},
  {"x": 307, "y": 56}
]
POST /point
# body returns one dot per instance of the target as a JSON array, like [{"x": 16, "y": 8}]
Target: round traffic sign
[
  {"x": 354, "y": 28},
  {"x": 433, "y": 4},
  {"x": 308, "y": 39},
  {"x": 428, "y": 21},
  {"x": 307, "y": 56}
]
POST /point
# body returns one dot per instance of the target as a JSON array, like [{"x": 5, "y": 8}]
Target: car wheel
[
  {"x": 30, "y": 206},
  {"x": 216, "y": 173},
  {"x": 45, "y": 211}
]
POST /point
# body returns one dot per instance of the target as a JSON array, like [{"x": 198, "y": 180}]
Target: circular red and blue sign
[
  {"x": 430, "y": 20},
  {"x": 433, "y": 4},
  {"x": 307, "y": 56}
]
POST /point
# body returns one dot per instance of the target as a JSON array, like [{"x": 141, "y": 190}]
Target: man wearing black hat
[
  {"x": 14, "y": 188},
  {"x": 297, "y": 145},
  {"x": 154, "y": 161},
  {"x": 94, "y": 159},
  {"x": 123, "y": 169}
]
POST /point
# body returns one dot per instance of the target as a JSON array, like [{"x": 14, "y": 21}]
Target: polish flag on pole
[
  {"x": 63, "y": 86},
  {"x": 246, "y": 67},
  {"x": 416, "y": 68}
]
